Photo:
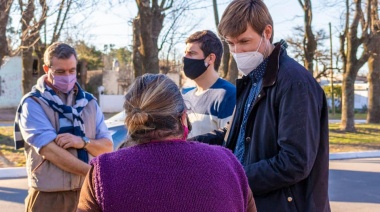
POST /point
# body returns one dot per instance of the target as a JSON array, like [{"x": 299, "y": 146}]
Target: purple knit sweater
[{"x": 170, "y": 176}]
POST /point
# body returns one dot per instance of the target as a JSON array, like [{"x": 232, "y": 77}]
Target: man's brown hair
[
  {"x": 59, "y": 50},
  {"x": 209, "y": 43},
  {"x": 240, "y": 13}
]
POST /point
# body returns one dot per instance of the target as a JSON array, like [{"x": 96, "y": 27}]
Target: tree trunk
[
  {"x": 151, "y": 20},
  {"x": 233, "y": 71},
  {"x": 373, "y": 115},
  {"x": 27, "y": 51},
  {"x": 309, "y": 42},
  {"x": 347, "y": 122},
  {"x": 225, "y": 60},
  {"x": 136, "y": 56},
  {"x": 5, "y": 6},
  {"x": 40, "y": 50},
  {"x": 352, "y": 43}
]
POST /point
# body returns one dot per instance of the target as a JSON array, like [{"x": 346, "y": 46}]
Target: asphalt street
[{"x": 354, "y": 185}]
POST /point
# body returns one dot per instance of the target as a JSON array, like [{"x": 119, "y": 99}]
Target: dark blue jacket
[{"x": 286, "y": 155}]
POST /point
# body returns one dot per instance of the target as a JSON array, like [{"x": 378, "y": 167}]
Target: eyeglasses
[{"x": 63, "y": 71}]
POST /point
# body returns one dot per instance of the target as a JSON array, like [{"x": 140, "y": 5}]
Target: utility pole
[{"x": 332, "y": 75}]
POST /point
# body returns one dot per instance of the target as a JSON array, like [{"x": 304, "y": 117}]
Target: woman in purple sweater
[{"x": 160, "y": 170}]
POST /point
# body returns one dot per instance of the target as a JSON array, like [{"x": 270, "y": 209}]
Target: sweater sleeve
[
  {"x": 251, "y": 202},
  {"x": 87, "y": 199}
]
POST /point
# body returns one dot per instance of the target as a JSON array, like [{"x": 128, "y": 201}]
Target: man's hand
[
  {"x": 64, "y": 159},
  {"x": 67, "y": 140}
]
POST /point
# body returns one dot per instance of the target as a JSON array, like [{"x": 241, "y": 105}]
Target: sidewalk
[
  {"x": 20, "y": 172},
  {"x": 7, "y": 114}
]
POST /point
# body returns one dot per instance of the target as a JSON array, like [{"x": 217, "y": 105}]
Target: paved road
[
  {"x": 12, "y": 194},
  {"x": 354, "y": 186}
]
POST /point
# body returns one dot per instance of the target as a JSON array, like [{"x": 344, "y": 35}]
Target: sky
[{"x": 110, "y": 23}]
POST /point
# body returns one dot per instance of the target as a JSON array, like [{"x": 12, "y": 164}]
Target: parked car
[{"x": 117, "y": 128}]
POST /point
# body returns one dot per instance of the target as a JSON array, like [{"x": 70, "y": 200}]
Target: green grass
[
  {"x": 357, "y": 116},
  {"x": 366, "y": 137},
  {"x": 366, "y": 134},
  {"x": 7, "y": 147}
]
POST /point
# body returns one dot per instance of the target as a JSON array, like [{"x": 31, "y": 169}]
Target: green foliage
[
  {"x": 337, "y": 91},
  {"x": 89, "y": 54},
  {"x": 337, "y": 96},
  {"x": 123, "y": 55}
]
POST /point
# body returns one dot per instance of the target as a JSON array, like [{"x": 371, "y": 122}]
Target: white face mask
[{"x": 248, "y": 61}]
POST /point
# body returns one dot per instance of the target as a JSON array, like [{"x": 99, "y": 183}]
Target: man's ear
[
  {"x": 268, "y": 32},
  {"x": 212, "y": 58},
  {"x": 46, "y": 68}
]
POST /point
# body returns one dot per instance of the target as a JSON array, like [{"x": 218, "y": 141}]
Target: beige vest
[{"x": 42, "y": 174}]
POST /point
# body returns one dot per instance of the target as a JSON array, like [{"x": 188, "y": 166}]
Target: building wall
[
  {"x": 111, "y": 103},
  {"x": 10, "y": 82},
  {"x": 361, "y": 95},
  {"x": 110, "y": 82}
]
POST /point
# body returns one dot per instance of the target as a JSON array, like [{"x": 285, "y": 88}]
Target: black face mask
[{"x": 194, "y": 68}]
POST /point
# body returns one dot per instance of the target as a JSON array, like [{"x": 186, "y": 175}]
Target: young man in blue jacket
[
  {"x": 279, "y": 130},
  {"x": 211, "y": 103}
]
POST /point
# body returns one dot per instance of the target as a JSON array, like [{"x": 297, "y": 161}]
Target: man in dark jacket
[{"x": 279, "y": 130}]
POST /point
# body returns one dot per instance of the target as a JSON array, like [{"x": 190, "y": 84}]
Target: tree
[
  {"x": 373, "y": 115},
  {"x": 309, "y": 41},
  {"x": 175, "y": 31},
  {"x": 5, "y": 6},
  {"x": 90, "y": 54},
  {"x": 351, "y": 41},
  {"x": 229, "y": 67},
  {"x": 34, "y": 40},
  {"x": 337, "y": 90},
  {"x": 320, "y": 55},
  {"x": 29, "y": 37},
  {"x": 62, "y": 15},
  {"x": 147, "y": 27}
]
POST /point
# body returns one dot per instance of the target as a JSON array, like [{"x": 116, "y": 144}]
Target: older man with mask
[{"x": 61, "y": 128}]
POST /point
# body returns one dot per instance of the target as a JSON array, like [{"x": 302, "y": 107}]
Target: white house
[
  {"x": 360, "y": 94},
  {"x": 10, "y": 82}
]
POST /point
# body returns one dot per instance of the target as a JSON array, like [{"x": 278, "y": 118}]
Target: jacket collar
[{"x": 270, "y": 75}]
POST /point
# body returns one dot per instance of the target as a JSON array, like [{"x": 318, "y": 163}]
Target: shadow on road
[
  {"x": 357, "y": 186},
  {"x": 13, "y": 194}
]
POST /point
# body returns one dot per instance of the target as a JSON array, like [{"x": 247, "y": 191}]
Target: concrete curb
[
  {"x": 353, "y": 155},
  {"x": 20, "y": 172},
  {"x": 14, "y": 172}
]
